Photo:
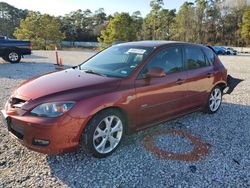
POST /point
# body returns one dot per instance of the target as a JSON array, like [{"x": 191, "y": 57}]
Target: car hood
[{"x": 62, "y": 81}]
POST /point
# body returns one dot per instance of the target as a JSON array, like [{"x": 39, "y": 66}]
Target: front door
[{"x": 163, "y": 97}]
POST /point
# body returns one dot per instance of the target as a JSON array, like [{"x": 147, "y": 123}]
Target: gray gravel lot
[{"x": 226, "y": 165}]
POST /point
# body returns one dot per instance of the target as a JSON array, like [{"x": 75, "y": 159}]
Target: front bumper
[
  {"x": 26, "y": 51},
  {"x": 45, "y": 135}
]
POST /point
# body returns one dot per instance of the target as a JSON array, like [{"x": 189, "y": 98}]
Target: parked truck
[{"x": 13, "y": 50}]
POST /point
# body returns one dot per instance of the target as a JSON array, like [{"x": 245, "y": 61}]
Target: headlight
[{"x": 54, "y": 109}]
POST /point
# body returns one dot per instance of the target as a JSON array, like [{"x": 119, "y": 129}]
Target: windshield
[{"x": 116, "y": 61}]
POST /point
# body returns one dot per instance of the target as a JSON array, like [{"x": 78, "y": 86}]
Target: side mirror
[{"x": 155, "y": 73}]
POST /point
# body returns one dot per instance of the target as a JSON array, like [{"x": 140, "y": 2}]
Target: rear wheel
[
  {"x": 13, "y": 57},
  {"x": 214, "y": 101},
  {"x": 104, "y": 133}
]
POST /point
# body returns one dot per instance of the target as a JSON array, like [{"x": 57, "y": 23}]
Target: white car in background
[{"x": 230, "y": 51}]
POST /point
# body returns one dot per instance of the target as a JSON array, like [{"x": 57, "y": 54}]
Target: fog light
[{"x": 39, "y": 142}]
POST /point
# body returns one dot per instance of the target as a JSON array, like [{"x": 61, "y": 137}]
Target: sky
[{"x": 62, "y": 7}]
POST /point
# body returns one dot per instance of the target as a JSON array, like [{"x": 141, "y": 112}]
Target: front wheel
[
  {"x": 214, "y": 101},
  {"x": 104, "y": 133},
  {"x": 13, "y": 57}
]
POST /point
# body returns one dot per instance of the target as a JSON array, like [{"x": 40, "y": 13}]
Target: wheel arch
[
  {"x": 222, "y": 85},
  {"x": 121, "y": 110},
  {"x": 7, "y": 50}
]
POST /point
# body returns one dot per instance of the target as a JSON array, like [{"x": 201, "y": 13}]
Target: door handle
[
  {"x": 180, "y": 81},
  {"x": 209, "y": 75}
]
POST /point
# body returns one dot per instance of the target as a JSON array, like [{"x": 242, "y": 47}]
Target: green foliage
[
  {"x": 121, "y": 28},
  {"x": 183, "y": 27},
  {"x": 245, "y": 32},
  {"x": 83, "y": 25},
  {"x": 10, "y": 18},
  {"x": 138, "y": 20},
  {"x": 157, "y": 24},
  {"x": 42, "y": 30},
  {"x": 220, "y": 22},
  {"x": 156, "y": 6}
]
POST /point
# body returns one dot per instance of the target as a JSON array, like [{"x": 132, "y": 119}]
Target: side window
[
  {"x": 210, "y": 56},
  {"x": 194, "y": 57},
  {"x": 169, "y": 59}
]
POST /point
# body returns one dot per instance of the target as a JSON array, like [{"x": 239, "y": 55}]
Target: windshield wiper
[{"x": 93, "y": 72}]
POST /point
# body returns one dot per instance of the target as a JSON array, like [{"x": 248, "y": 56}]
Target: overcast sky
[{"x": 62, "y": 7}]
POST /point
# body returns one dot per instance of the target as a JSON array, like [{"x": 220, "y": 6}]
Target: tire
[
  {"x": 13, "y": 57},
  {"x": 104, "y": 133},
  {"x": 214, "y": 100}
]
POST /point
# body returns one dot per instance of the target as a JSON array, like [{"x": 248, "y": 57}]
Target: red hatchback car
[{"x": 124, "y": 88}]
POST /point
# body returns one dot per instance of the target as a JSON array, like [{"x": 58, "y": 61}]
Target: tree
[
  {"x": 99, "y": 22},
  {"x": 200, "y": 11},
  {"x": 42, "y": 30},
  {"x": 10, "y": 18},
  {"x": 245, "y": 32},
  {"x": 152, "y": 21},
  {"x": 120, "y": 28},
  {"x": 68, "y": 27},
  {"x": 184, "y": 27},
  {"x": 215, "y": 22},
  {"x": 50, "y": 34},
  {"x": 159, "y": 27},
  {"x": 164, "y": 23},
  {"x": 83, "y": 25},
  {"x": 138, "y": 20}
]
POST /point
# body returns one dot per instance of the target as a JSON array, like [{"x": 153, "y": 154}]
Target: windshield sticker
[{"x": 136, "y": 51}]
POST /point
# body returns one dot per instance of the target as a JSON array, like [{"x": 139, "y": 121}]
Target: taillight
[{"x": 30, "y": 46}]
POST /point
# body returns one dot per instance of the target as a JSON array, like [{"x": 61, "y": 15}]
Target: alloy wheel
[
  {"x": 108, "y": 134},
  {"x": 215, "y": 99}
]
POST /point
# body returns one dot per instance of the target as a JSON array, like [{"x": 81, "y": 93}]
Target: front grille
[{"x": 16, "y": 103}]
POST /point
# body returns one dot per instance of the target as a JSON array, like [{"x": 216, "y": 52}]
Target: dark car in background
[
  {"x": 13, "y": 50},
  {"x": 124, "y": 88},
  {"x": 219, "y": 50}
]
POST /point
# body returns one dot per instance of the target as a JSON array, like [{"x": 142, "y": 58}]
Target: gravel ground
[{"x": 226, "y": 165}]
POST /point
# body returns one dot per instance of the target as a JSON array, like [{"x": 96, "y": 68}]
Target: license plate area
[{"x": 16, "y": 132}]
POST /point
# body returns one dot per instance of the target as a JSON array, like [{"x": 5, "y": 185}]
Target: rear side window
[
  {"x": 194, "y": 57},
  {"x": 210, "y": 55}
]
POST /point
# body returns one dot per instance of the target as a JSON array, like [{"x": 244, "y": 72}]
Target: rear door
[
  {"x": 200, "y": 75},
  {"x": 164, "y": 97}
]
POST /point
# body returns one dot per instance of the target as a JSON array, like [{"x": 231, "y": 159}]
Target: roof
[{"x": 153, "y": 43}]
